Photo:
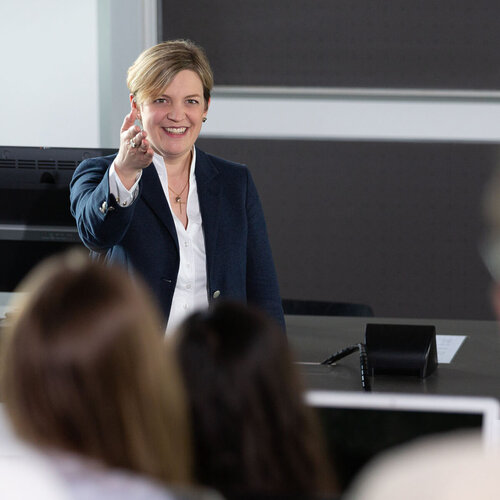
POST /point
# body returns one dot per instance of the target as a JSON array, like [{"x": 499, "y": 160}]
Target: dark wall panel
[
  {"x": 450, "y": 44},
  {"x": 392, "y": 224}
]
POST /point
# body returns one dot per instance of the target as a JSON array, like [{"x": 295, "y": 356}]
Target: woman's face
[{"x": 173, "y": 119}]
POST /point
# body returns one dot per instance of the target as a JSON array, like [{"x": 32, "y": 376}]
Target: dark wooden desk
[{"x": 474, "y": 371}]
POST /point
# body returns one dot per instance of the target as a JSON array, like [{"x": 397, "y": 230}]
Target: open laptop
[{"x": 357, "y": 426}]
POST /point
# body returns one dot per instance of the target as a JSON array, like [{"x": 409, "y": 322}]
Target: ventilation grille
[{"x": 39, "y": 164}]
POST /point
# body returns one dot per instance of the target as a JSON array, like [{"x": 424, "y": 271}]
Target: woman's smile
[{"x": 175, "y": 131}]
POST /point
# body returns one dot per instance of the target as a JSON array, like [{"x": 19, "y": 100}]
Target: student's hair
[
  {"x": 156, "y": 67},
  {"x": 86, "y": 371},
  {"x": 490, "y": 246},
  {"x": 252, "y": 431}
]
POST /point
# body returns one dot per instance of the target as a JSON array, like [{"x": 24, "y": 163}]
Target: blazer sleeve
[
  {"x": 101, "y": 221},
  {"x": 261, "y": 278}
]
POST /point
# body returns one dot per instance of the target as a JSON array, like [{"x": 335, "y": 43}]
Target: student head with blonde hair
[{"x": 85, "y": 373}]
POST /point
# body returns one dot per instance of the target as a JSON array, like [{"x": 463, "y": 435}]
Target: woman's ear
[{"x": 206, "y": 110}]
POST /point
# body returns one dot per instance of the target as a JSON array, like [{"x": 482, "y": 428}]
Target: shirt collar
[{"x": 159, "y": 163}]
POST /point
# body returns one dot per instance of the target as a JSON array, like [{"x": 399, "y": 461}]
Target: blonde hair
[
  {"x": 155, "y": 68},
  {"x": 85, "y": 371}
]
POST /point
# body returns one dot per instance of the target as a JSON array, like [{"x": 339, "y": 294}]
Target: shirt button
[
  {"x": 188, "y": 286},
  {"x": 186, "y": 307},
  {"x": 216, "y": 294},
  {"x": 186, "y": 243}
]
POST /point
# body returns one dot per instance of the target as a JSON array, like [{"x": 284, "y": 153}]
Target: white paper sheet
[{"x": 448, "y": 346}]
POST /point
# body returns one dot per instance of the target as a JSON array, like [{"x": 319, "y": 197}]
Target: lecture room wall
[{"x": 65, "y": 86}]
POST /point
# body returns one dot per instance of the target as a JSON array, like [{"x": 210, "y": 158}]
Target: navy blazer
[{"x": 142, "y": 236}]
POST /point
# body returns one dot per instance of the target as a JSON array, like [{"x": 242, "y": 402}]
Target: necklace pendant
[{"x": 177, "y": 199}]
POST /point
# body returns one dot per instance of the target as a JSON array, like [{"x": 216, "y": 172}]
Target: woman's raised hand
[{"x": 135, "y": 152}]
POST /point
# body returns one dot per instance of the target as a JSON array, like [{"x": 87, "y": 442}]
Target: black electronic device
[
  {"x": 401, "y": 349},
  {"x": 35, "y": 217},
  {"x": 358, "y": 426},
  {"x": 392, "y": 349}
]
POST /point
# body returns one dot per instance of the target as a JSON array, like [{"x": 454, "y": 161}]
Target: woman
[
  {"x": 252, "y": 432},
  {"x": 84, "y": 379},
  {"x": 190, "y": 223}
]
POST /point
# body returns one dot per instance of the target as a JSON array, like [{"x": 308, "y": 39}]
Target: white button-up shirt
[{"x": 190, "y": 292}]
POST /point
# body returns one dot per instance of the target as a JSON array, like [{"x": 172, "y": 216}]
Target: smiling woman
[{"x": 190, "y": 223}]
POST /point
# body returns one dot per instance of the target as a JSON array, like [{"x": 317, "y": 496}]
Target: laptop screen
[{"x": 358, "y": 426}]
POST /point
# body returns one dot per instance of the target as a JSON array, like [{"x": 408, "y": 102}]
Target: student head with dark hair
[
  {"x": 85, "y": 379},
  {"x": 252, "y": 432}
]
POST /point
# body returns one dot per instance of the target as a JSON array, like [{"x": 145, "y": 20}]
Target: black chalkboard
[
  {"x": 395, "y": 225},
  {"x": 426, "y": 44}
]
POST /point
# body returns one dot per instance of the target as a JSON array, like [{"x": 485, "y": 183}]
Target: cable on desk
[
  {"x": 363, "y": 366},
  {"x": 340, "y": 354},
  {"x": 363, "y": 361}
]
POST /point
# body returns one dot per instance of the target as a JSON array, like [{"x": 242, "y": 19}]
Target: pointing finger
[{"x": 129, "y": 120}]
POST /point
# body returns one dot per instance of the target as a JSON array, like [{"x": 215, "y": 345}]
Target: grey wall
[{"x": 392, "y": 224}]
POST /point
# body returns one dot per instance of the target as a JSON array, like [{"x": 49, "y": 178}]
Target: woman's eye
[
  {"x": 192, "y": 101},
  {"x": 160, "y": 100}
]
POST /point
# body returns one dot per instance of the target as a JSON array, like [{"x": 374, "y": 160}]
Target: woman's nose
[{"x": 175, "y": 112}]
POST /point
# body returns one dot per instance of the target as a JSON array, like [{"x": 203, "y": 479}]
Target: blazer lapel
[
  {"x": 153, "y": 195},
  {"x": 209, "y": 188}
]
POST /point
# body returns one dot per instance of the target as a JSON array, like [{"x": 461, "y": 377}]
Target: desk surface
[{"x": 474, "y": 371}]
